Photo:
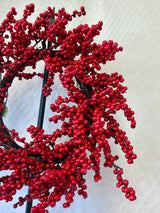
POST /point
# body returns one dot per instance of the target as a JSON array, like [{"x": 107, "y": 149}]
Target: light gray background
[{"x": 135, "y": 25}]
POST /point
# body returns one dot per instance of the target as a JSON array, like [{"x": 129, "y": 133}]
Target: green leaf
[{"x": 5, "y": 112}]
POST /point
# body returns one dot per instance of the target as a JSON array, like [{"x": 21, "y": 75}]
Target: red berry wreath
[{"x": 89, "y": 122}]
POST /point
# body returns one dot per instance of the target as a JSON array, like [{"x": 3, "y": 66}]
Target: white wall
[{"x": 135, "y": 25}]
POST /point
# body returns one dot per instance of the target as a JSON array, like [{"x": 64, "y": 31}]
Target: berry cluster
[{"x": 54, "y": 170}]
